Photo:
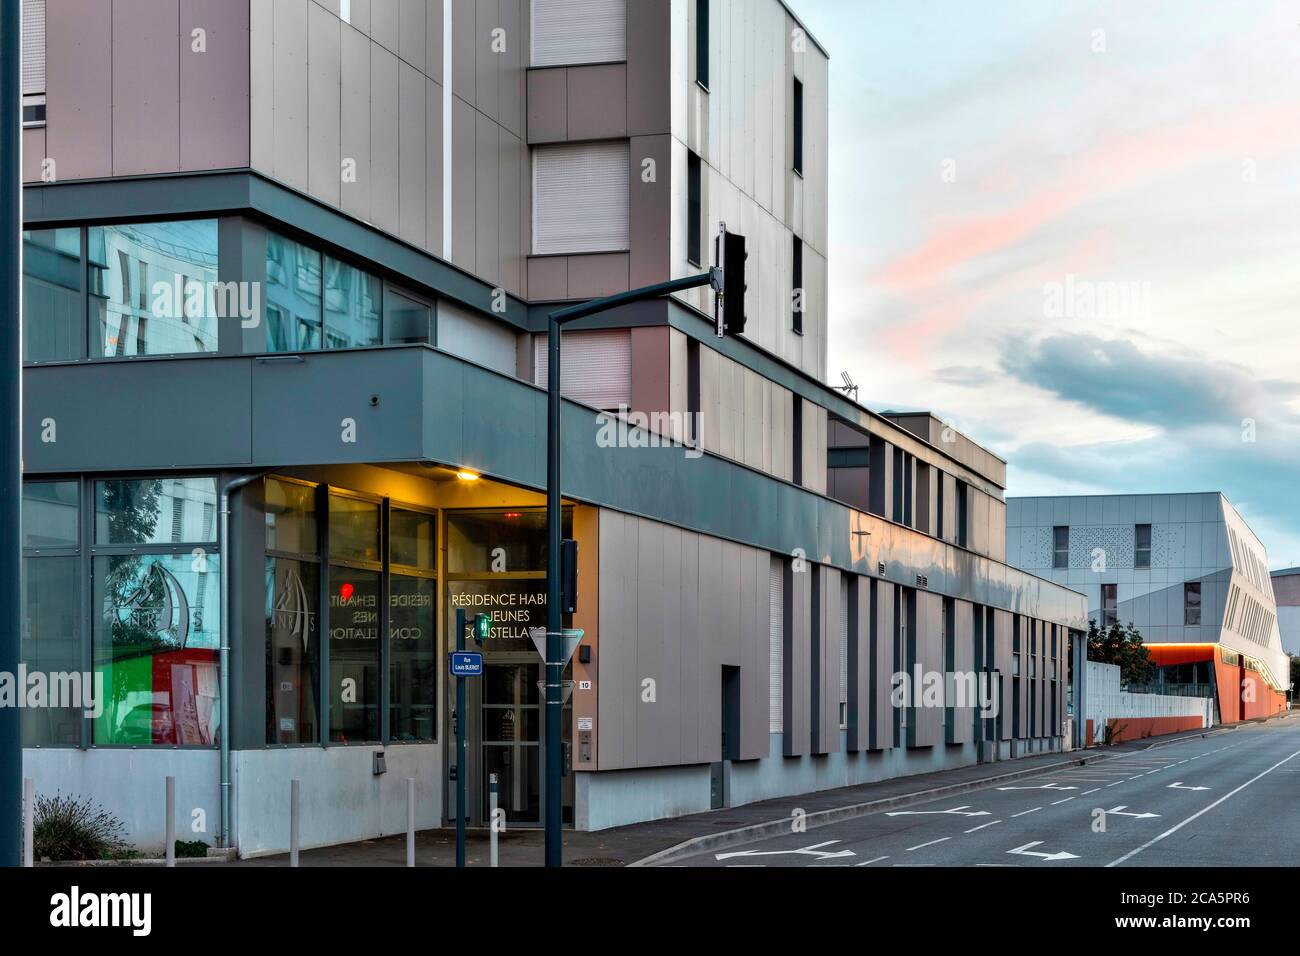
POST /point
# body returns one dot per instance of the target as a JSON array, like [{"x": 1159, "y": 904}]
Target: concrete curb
[{"x": 758, "y": 831}]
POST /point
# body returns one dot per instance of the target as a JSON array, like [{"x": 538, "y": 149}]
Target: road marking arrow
[
  {"x": 1045, "y": 786},
  {"x": 1179, "y": 786},
  {"x": 1118, "y": 811},
  {"x": 814, "y": 850},
  {"x": 958, "y": 811},
  {"x": 1027, "y": 851}
]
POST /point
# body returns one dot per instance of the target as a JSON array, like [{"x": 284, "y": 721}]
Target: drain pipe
[{"x": 226, "y": 557}]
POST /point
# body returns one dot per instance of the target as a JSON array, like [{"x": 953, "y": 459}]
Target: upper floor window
[
  {"x": 1142, "y": 546},
  {"x": 153, "y": 288},
  {"x": 1192, "y": 603},
  {"x": 569, "y": 32},
  {"x": 315, "y": 301},
  {"x": 1109, "y": 604},
  {"x": 1060, "y": 547},
  {"x": 702, "y": 43},
  {"x": 33, "y": 62},
  {"x": 581, "y": 198},
  {"x": 797, "y": 133}
]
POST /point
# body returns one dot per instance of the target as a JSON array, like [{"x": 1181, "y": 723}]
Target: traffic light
[
  {"x": 568, "y": 576},
  {"x": 482, "y": 627},
  {"x": 732, "y": 259}
]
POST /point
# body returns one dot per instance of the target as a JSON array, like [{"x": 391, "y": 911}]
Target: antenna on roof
[{"x": 848, "y": 388}]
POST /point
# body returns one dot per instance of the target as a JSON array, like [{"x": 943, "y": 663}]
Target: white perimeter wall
[{"x": 1104, "y": 699}]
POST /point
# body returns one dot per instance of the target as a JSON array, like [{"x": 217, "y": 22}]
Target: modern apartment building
[
  {"x": 287, "y": 275},
  {"x": 1185, "y": 570}
]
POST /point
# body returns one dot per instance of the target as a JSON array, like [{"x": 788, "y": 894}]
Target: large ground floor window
[{"x": 138, "y": 643}]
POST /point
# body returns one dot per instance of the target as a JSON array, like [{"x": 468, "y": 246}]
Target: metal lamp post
[{"x": 555, "y": 661}]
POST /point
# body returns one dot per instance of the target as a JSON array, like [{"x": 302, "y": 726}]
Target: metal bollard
[
  {"x": 410, "y": 821},
  {"x": 170, "y": 829},
  {"x": 293, "y": 822},
  {"x": 492, "y": 816},
  {"x": 29, "y": 820}
]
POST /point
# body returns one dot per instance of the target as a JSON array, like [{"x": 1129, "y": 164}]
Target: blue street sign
[{"x": 466, "y": 664}]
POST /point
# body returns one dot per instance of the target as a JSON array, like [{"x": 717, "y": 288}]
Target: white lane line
[
  {"x": 1024, "y": 812},
  {"x": 922, "y": 846},
  {"x": 982, "y": 826},
  {"x": 1136, "y": 775},
  {"x": 1086, "y": 792},
  {"x": 1115, "y": 784},
  {"x": 1066, "y": 800},
  {"x": 1174, "y": 829},
  {"x": 869, "y": 862}
]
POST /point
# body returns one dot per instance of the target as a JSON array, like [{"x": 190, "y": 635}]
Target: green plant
[
  {"x": 1121, "y": 644},
  {"x": 190, "y": 848},
  {"x": 76, "y": 828}
]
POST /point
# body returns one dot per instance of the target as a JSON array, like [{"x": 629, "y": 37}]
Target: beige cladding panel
[
  {"x": 883, "y": 667},
  {"x": 860, "y": 669},
  {"x": 674, "y": 607},
  {"x": 963, "y": 662}
]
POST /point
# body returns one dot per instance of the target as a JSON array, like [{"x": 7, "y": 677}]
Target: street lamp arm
[{"x": 583, "y": 309}]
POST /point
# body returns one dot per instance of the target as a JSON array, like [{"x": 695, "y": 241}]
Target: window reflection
[
  {"x": 293, "y": 295},
  {"x": 152, "y": 287},
  {"x": 156, "y": 511},
  {"x": 352, "y": 302},
  {"x": 52, "y": 320}
]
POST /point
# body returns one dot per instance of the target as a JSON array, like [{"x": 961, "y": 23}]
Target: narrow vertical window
[
  {"x": 798, "y": 127},
  {"x": 694, "y": 208},
  {"x": 1192, "y": 603},
  {"x": 1109, "y": 605},
  {"x": 796, "y": 285},
  {"x": 702, "y": 43},
  {"x": 1061, "y": 547},
  {"x": 797, "y": 441},
  {"x": 1142, "y": 546}
]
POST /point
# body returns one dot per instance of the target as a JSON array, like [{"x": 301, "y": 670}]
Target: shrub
[
  {"x": 190, "y": 848},
  {"x": 76, "y": 828}
]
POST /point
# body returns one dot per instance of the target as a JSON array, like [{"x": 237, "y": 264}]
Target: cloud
[{"x": 1174, "y": 391}]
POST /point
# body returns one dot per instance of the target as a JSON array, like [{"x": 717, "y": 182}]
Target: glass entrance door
[{"x": 510, "y": 718}]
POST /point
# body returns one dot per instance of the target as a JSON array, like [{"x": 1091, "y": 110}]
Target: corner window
[
  {"x": 1061, "y": 546},
  {"x": 1142, "y": 546},
  {"x": 153, "y": 288},
  {"x": 412, "y": 638},
  {"x": 354, "y": 601},
  {"x": 1192, "y": 603},
  {"x": 407, "y": 320}
]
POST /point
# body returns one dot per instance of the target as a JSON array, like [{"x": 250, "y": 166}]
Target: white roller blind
[
  {"x": 776, "y": 643},
  {"x": 567, "y": 32},
  {"x": 844, "y": 639},
  {"x": 596, "y": 367},
  {"x": 33, "y": 46},
  {"x": 581, "y": 198}
]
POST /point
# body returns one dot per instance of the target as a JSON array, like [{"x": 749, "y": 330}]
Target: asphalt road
[{"x": 1226, "y": 800}]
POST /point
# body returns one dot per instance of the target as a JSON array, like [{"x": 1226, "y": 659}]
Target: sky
[{"x": 1072, "y": 229}]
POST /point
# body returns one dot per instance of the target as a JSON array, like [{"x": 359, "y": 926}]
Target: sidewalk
[{"x": 624, "y": 846}]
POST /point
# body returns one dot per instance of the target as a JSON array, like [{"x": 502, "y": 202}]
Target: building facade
[
  {"x": 287, "y": 274},
  {"x": 1286, "y": 592},
  {"x": 1185, "y": 570}
]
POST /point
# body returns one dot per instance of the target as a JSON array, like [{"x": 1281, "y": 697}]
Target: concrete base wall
[
  {"x": 131, "y": 785},
  {"x": 623, "y": 797},
  {"x": 341, "y": 799}
]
